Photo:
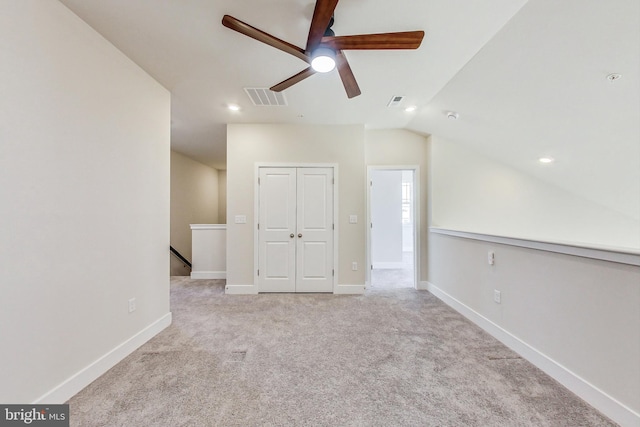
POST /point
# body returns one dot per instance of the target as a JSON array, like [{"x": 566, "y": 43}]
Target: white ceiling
[{"x": 527, "y": 77}]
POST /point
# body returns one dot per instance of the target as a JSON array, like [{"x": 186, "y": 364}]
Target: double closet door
[{"x": 295, "y": 230}]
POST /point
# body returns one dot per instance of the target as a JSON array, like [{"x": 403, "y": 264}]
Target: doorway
[
  {"x": 295, "y": 229},
  {"x": 393, "y": 227}
]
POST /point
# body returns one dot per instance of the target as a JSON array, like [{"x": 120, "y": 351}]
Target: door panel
[
  {"x": 314, "y": 263},
  {"x": 314, "y": 255},
  {"x": 277, "y": 265},
  {"x": 312, "y": 199},
  {"x": 277, "y": 219}
]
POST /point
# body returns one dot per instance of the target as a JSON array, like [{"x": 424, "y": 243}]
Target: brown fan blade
[
  {"x": 261, "y": 36},
  {"x": 321, "y": 16},
  {"x": 404, "y": 40},
  {"x": 346, "y": 75},
  {"x": 293, "y": 80}
]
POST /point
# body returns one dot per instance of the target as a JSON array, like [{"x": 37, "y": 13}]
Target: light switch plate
[
  {"x": 353, "y": 219},
  {"x": 241, "y": 219}
]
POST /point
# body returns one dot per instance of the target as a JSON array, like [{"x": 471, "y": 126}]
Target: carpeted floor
[
  {"x": 391, "y": 357},
  {"x": 395, "y": 278}
]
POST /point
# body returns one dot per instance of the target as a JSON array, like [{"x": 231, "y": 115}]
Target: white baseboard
[
  {"x": 71, "y": 386},
  {"x": 208, "y": 274},
  {"x": 241, "y": 290},
  {"x": 597, "y": 398},
  {"x": 253, "y": 290},
  {"x": 349, "y": 290},
  {"x": 383, "y": 265}
]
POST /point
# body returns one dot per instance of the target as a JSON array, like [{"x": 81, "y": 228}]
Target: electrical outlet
[
  {"x": 491, "y": 258},
  {"x": 132, "y": 305},
  {"x": 497, "y": 297},
  {"x": 354, "y": 266}
]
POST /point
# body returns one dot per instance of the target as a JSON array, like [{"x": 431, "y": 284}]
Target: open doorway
[{"x": 393, "y": 224}]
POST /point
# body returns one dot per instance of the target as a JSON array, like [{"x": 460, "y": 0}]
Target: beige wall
[
  {"x": 222, "y": 196},
  {"x": 249, "y": 144},
  {"x": 84, "y": 190},
  {"x": 194, "y": 200},
  {"x": 399, "y": 148},
  {"x": 473, "y": 193}
]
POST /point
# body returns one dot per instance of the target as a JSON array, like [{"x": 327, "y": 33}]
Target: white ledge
[
  {"x": 208, "y": 226},
  {"x": 620, "y": 255}
]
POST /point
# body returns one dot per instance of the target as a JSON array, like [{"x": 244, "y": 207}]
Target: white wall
[
  {"x": 84, "y": 184},
  {"x": 407, "y": 228},
  {"x": 209, "y": 251},
  {"x": 194, "y": 200},
  {"x": 386, "y": 217},
  {"x": 473, "y": 193},
  {"x": 249, "y": 144}
]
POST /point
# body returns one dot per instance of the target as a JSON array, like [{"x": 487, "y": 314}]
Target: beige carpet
[
  {"x": 396, "y": 357},
  {"x": 395, "y": 278}
]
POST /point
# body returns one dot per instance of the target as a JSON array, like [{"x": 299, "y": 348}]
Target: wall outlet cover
[{"x": 497, "y": 296}]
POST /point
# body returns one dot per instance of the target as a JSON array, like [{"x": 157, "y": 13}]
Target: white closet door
[
  {"x": 277, "y": 239},
  {"x": 295, "y": 230},
  {"x": 314, "y": 249}
]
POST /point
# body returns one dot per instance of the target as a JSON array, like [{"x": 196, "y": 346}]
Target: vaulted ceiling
[{"x": 527, "y": 78}]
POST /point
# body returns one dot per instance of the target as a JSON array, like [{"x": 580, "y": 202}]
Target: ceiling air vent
[
  {"x": 395, "y": 101},
  {"x": 264, "y": 97}
]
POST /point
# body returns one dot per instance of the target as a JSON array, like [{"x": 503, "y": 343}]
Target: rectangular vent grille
[
  {"x": 395, "y": 101},
  {"x": 264, "y": 97}
]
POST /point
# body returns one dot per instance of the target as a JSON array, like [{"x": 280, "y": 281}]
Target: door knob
[
  {"x": 291, "y": 235},
  {"x": 300, "y": 235}
]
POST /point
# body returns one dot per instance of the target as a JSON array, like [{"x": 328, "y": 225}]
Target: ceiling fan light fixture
[{"x": 323, "y": 60}]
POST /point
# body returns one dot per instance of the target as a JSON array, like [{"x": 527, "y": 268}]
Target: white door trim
[
  {"x": 416, "y": 216},
  {"x": 256, "y": 213}
]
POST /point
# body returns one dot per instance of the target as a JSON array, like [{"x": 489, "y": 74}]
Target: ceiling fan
[{"x": 324, "y": 46}]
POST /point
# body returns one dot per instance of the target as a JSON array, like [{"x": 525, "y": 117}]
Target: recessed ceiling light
[
  {"x": 546, "y": 160},
  {"x": 452, "y": 115},
  {"x": 614, "y": 76},
  {"x": 233, "y": 107},
  {"x": 410, "y": 109}
]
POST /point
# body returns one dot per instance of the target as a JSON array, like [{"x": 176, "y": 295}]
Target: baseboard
[
  {"x": 71, "y": 386},
  {"x": 241, "y": 290},
  {"x": 597, "y": 398},
  {"x": 423, "y": 286},
  {"x": 208, "y": 274},
  {"x": 393, "y": 265},
  {"x": 253, "y": 290},
  {"x": 349, "y": 290}
]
